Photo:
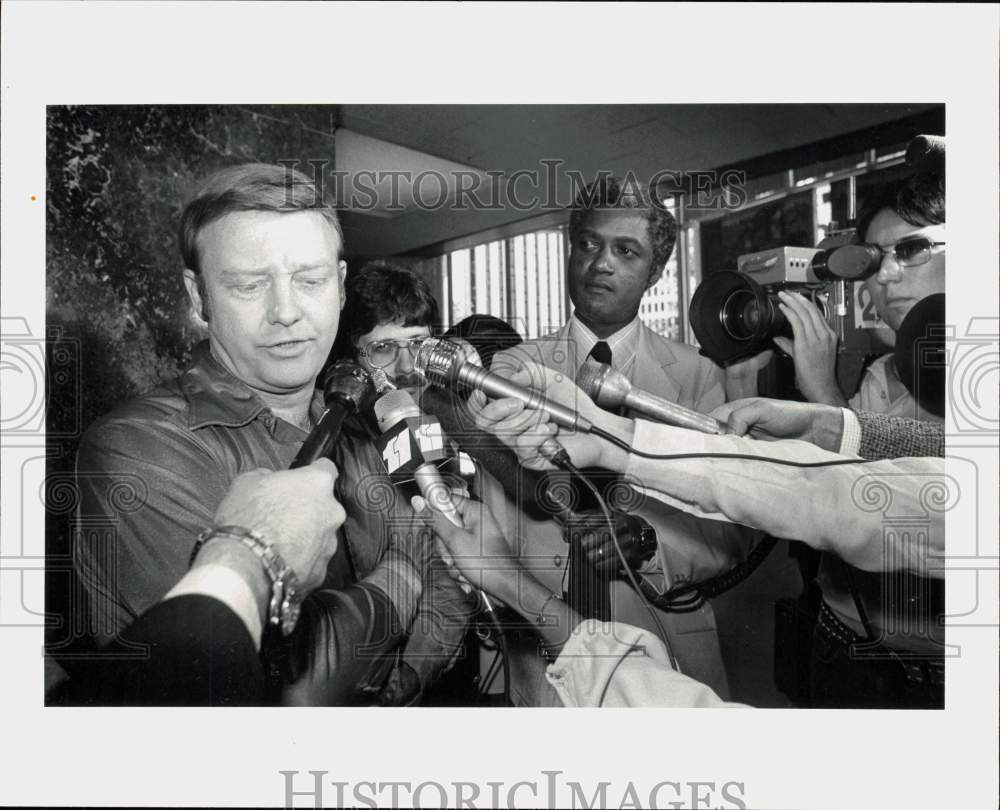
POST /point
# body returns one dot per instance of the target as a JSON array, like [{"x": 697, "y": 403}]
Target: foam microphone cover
[{"x": 920, "y": 353}]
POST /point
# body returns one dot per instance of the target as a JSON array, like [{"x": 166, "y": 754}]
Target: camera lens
[
  {"x": 740, "y": 315},
  {"x": 732, "y": 316}
]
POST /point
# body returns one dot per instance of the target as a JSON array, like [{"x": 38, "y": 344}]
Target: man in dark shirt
[{"x": 263, "y": 270}]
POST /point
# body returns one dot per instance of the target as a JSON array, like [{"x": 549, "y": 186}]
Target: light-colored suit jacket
[
  {"x": 689, "y": 547},
  {"x": 674, "y": 371}
]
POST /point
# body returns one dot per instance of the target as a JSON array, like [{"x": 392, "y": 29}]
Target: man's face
[
  {"x": 272, "y": 282},
  {"x": 894, "y": 289},
  {"x": 377, "y": 348},
  {"x": 610, "y": 267}
]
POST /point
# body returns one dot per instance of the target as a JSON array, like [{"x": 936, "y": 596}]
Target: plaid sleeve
[{"x": 898, "y": 436}]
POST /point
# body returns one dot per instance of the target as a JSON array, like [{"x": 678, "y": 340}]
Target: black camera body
[{"x": 735, "y": 314}]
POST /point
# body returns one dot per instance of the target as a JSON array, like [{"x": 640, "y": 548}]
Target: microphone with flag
[{"x": 411, "y": 444}]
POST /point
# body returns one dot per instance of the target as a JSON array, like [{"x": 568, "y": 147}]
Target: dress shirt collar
[
  {"x": 216, "y": 397},
  {"x": 623, "y": 343}
]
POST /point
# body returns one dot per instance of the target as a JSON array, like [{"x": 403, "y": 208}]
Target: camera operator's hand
[
  {"x": 293, "y": 509},
  {"x": 590, "y": 529},
  {"x": 773, "y": 419},
  {"x": 741, "y": 377},
  {"x": 814, "y": 350}
]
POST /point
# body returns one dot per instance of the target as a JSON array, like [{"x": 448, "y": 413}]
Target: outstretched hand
[
  {"x": 479, "y": 551},
  {"x": 774, "y": 419},
  {"x": 294, "y": 510}
]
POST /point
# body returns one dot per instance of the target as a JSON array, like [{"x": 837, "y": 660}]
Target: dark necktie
[
  {"x": 601, "y": 352},
  {"x": 588, "y": 588}
]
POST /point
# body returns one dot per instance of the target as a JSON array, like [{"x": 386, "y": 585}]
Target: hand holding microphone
[
  {"x": 525, "y": 430},
  {"x": 476, "y": 546}
]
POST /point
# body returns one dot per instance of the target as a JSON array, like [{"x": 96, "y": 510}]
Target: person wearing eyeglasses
[
  {"x": 878, "y": 641},
  {"x": 388, "y": 312},
  {"x": 905, "y": 223}
]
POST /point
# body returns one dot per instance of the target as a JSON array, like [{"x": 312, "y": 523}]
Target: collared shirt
[
  {"x": 623, "y": 343},
  {"x": 152, "y": 473},
  {"x": 875, "y": 393}
]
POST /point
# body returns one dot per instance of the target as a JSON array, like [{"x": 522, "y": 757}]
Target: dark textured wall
[{"x": 117, "y": 313}]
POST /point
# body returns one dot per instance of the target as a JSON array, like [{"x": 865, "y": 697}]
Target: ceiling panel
[{"x": 589, "y": 138}]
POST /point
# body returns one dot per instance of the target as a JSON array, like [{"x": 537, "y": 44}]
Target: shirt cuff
[
  {"x": 399, "y": 580},
  {"x": 224, "y": 584},
  {"x": 850, "y": 437}
]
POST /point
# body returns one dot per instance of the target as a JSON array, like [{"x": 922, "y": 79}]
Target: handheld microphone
[
  {"x": 345, "y": 387},
  {"x": 446, "y": 362},
  {"x": 530, "y": 487},
  {"x": 409, "y": 444},
  {"x": 397, "y": 409},
  {"x": 611, "y": 389}
]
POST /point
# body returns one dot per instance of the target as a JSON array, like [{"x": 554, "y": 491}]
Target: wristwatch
[
  {"x": 285, "y": 604},
  {"x": 645, "y": 536}
]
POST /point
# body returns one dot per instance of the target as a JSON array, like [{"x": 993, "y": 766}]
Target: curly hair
[
  {"x": 382, "y": 292},
  {"x": 610, "y": 193}
]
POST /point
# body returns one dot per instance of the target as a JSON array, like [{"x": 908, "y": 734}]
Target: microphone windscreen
[{"x": 347, "y": 382}]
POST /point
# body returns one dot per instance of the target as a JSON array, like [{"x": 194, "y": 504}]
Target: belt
[{"x": 924, "y": 670}]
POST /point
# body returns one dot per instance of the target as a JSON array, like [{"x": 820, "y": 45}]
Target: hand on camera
[
  {"x": 814, "y": 349},
  {"x": 294, "y": 510}
]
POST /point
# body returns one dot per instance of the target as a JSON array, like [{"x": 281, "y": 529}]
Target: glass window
[{"x": 519, "y": 279}]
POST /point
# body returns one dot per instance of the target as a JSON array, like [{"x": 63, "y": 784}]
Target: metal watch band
[{"x": 286, "y": 602}]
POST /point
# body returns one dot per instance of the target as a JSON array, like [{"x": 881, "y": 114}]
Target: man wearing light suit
[{"x": 619, "y": 245}]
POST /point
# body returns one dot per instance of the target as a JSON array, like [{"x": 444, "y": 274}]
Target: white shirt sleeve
[
  {"x": 616, "y": 665},
  {"x": 842, "y": 509},
  {"x": 850, "y": 437},
  {"x": 228, "y": 587}
]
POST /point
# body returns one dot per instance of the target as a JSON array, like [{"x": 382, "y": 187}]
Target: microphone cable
[
  {"x": 562, "y": 459},
  {"x": 784, "y": 462}
]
